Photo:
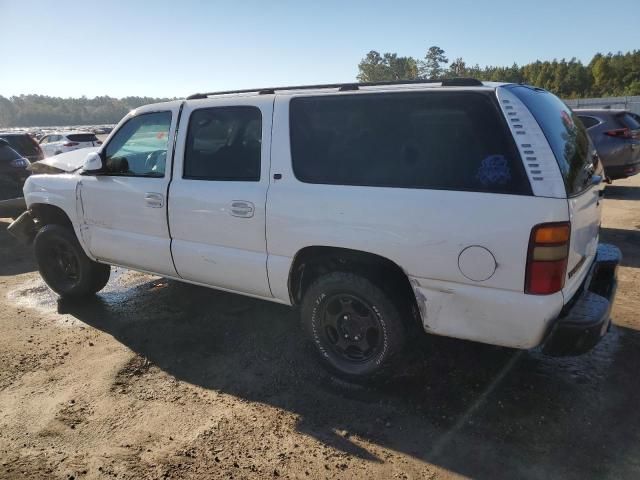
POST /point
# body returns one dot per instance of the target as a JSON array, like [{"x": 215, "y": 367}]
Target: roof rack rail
[{"x": 446, "y": 82}]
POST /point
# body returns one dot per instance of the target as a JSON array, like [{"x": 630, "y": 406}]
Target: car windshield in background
[
  {"x": 22, "y": 143},
  {"x": 630, "y": 121},
  {"x": 7, "y": 153},
  {"x": 82, "y": 137},
  {"x": 565, "y": 133}
]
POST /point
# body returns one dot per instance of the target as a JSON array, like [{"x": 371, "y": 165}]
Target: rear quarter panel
[{"x": 423, "y": 231}]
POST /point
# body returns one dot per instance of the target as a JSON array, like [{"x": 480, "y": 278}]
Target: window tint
[
  {"x": 7, "y": 153},
  {"x": 22, "y": 143},
  {"x": 224, "y": 143},
  {"x": 82, "y": 137},
  {"x": 566, "y": 135},
  {"x": 588, "y": 122},
  {"x": 453, "y": 141},
  {"x": 631, "y": 121},
  {"x": 139, "y": 147}
]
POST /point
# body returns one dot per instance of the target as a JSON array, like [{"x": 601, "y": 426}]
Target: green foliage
[
  {"x": 388, "y": 67},
  {"x": 40, "y": 110},
  {"x": 432, "y": 66},
  {"x": 606, "y": 75}
]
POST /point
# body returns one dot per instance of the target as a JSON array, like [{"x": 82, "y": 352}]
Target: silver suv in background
[
  {"x": 57, "y": 143},
  {"x": 616, "y": 136}
]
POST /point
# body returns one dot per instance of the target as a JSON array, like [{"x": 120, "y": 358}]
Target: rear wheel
[
  {"x": 356, "y": 328},
  {"x": 64, "y": 266}
]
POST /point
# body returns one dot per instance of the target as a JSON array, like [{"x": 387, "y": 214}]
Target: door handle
[
  {"x": 242, "y": 208},
  {"x": 154, "y": 200}
]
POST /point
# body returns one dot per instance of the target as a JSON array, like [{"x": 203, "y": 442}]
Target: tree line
[
  {"x": 41, "y": 110},
  {"x": 612, "y": 74}
]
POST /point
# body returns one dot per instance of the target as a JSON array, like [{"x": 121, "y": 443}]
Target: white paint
[
  {"x": 539, "y": 161},
  {"x": 425, "y": 232}
]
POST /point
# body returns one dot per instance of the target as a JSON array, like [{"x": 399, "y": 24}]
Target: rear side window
[
  {"x": 23, "y": 144},
  {"x": 589, "y": 122},
  {"x": 631, "y": 121},
  {"x": 438, "y": 140},
  {"x": 224, "y": 143},
  {"x": 7, "y": 153},
  {"x": 565, "y": 133},
  {"x": 82, "y": 137}
]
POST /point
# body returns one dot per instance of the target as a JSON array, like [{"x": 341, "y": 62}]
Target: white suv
[
  {"x": 61, "y": 142},
  {"x": 470, "y": 209}
]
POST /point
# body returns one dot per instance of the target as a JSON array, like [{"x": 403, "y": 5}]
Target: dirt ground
[{"x": 157, "y": 379}]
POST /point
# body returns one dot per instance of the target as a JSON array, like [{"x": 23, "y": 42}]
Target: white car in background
[{"x": 60, "y": 142}]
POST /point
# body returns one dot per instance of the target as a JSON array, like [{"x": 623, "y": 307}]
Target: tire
[
  {"x": 64, "y": 266},
  {"x": 355, "y": 327}
]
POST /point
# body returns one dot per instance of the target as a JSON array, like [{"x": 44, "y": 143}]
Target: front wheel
[
  {"x": 356, "y": 328},
  {"x": 64, "y": 266}
]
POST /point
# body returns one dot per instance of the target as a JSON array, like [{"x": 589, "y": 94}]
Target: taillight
[
  {"x": 547, "y": 258},
  {"x": 70, "y": 144},
  {"x": 619, "y": 133},
  {"x": 99, "y": 142}
]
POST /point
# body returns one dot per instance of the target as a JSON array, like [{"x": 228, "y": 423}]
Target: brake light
[
  {"x": 547, "y": 258},
  {"x": 619, "y": 133},
  {"x": 70, "y": 144}
]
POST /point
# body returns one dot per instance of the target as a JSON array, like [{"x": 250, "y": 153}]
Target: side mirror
[{"x": 93, "y": 163}]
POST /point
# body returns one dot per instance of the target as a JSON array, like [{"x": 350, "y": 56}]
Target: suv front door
[
  {"x": 218, "y": 193},
  {"x": 124, "y": 208}
]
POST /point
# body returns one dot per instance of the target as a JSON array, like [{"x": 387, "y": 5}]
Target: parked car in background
[
  {"x": 616, "y": 136},
  {"x": 24, "y": 144},
  {"x": 13, "y": 171},
  {"x": 60, "y": 142}
]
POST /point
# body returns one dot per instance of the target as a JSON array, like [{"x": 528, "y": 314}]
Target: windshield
[{"x": 22, "y": 143}]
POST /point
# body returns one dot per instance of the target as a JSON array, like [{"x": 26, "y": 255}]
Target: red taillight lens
[
  {"x": 619, "y": 133},
  {"x": 71, "y": 144},
  {"x": 547, "y": 258}
]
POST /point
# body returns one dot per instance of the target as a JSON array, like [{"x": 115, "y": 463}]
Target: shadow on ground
[
  {"x": 480, "y": 411},
  {"x": 15, "y": 258},
  {"x": 628, "y": 241}
]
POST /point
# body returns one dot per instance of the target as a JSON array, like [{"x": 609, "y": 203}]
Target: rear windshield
[
  {"x": 23, "y": 144},
  {"x": 7, "y": 154},
  {"x": 564, "y": 132},
  {"x": 630, "y": 121},
  {"x": 82, "y": 137},
  {"x": 435, "y": 140}
]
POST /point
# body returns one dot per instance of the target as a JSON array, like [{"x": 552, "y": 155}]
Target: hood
[{"x": 63, "y": 162}]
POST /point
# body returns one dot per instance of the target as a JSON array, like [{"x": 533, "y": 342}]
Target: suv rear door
[
  {"x": 581, "y": 174},
  {"x": 218, "y": 193}
]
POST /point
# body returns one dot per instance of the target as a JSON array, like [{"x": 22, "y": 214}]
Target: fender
[{"x": 63, "y": 192}]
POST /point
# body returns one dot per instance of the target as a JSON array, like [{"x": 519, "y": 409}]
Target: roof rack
[{"x": 342, "y": 87}]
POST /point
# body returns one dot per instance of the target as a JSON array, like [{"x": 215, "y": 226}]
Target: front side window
[
  {"x": 430, "y": 140},
  {"x": 224, "y": 143},
  {"x": 139, "y": 147}
]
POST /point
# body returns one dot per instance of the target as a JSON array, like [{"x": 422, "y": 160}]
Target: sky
[{"x": 174, "y": 48}]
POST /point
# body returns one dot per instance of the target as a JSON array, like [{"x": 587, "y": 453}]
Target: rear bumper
[{"x": 586, "y": 318}]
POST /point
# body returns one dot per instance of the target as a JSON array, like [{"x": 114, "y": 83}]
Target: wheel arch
[
  {"x": 313, "y": 261},
  {"x": 48, "y": 214}
]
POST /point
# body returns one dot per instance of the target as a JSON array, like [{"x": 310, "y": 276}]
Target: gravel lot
[{"x": 157, "y": 379}]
